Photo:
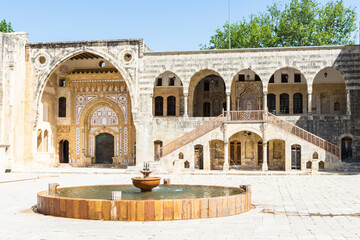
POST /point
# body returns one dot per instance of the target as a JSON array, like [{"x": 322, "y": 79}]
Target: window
[
  {"x": 272, "y": 79},
  {"x": 298, "y": 103},
  {"x": 62, "y": 82},
  {"x": 297, "y": 77},
  {"x": 159, "y": 106},
  {"x": 284, "y": 103},
  {"x": 206, "y": 109},
  {"x": 206, "y": 86},
  {"x": 172, "y": 81},
  {"x": 171, "y": 106},
  {"x": 257, "y": 78},
  {"x": 284, "y": 78},
  {"x": 271, "y": 101},
  {"x": 241, "y": 77},
  {"x": 159, "y": 82},
  {"x": 62, "y": 107}
]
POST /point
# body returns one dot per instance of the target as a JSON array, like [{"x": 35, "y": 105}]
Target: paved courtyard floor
[{"x": 287, "y": 207}]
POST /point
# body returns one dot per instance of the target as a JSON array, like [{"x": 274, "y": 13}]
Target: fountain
[
  {"x": 153, "y": 203},
  {"x": 146, "y": 183}
]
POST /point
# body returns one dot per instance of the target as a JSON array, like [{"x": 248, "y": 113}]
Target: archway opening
[
  {"x": 209, "y": 97},
  {"x": 64, "y": 151},
  {"x": 245, "y": 151},
  {"x": 246, "y": 91},
  {"x": 287, "y": 92},
  {"x": 104, "y": 148},
  {"x": 329, "y": 92}
]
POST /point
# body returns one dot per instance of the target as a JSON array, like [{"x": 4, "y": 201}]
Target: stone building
[{"x": 116, "y": 103}]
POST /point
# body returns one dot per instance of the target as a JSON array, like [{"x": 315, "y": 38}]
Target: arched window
[
  {"x": 64, "y": 151},
  {"x": 171, "y": 106},
  {"x": 346, "y": 149},
  {"x": 298, "y": 103},
  {"x": 315, "y": 155},
  {"x": 62, "y": 107},
  {"x": 284, "y": 103},
  {"x": 206, "y": 86},
  {"x": 172, "y": 81},
  {"x": 159, "y": 82},
  {"x": 206, "y": 109},
  {"x": 158, "y": 106},
  {"x": 157, "y": 150},
  {"x": 271, "y": 101},
  {"x": 181, "y": 155}
]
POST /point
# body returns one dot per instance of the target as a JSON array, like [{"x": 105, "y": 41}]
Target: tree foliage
[
  {"x": 297, "y": 23},
  {"x": 5, "y": 26}
]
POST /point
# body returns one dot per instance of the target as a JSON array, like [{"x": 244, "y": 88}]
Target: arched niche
[{"x": 329, "y": 92}]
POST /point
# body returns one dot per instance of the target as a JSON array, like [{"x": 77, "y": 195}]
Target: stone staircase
[{"x": 249, "y": 116}]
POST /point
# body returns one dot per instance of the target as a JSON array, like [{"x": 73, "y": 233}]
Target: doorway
[
  {"x": 295, "y": 157},
  {"x": 199, "y": 159},
  {"x": 64, "y": 151},
  {"x": 104, "y": 148}
]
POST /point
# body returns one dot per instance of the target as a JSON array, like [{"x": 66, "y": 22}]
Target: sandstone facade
[{"x": 118, "y": 103}]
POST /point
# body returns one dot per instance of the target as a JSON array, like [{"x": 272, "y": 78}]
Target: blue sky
[{"x": 166, "y": 25}]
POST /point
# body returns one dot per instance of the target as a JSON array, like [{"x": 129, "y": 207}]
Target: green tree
[
  {"x": 297, "y": 23},
  {"x": 5, "y": 27}
]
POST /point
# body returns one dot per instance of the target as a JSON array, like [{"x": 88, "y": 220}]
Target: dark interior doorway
[
  {"x": 295, "y": 157},
  {"x": 64, "y": 151},
  {"x": 104, "y": 149}
]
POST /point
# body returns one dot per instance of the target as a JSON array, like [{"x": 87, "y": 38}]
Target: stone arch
[
  {"x": 194, "y": 81},
  {"x": 44, "y": 75},
  {"x": 166, "y": 90},
  {"x": 243, "y": 83},
  {"x": 329, "y": 92},
  {"x": 291, "y": 81}
]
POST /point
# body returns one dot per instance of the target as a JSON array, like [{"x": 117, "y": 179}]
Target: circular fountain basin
[{"x": 165, "y": 202}]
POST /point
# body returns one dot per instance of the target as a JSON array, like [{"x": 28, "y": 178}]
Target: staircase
[{"x": 249, "y": 116}]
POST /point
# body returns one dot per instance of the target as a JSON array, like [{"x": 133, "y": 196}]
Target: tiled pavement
[{"x": 287, "y": 207}]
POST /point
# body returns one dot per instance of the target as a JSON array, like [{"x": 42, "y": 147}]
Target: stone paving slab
[{"x": 287, "y": 207}]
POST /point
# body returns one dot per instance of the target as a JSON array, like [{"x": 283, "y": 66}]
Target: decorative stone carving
[
  {"x": 104, "y": 116},
  {"x": 81, "y": 101},
  {"x": 126, "y": 141},
  {"x": 77, "y": 141},
  {"x": 121, "y": 100}
]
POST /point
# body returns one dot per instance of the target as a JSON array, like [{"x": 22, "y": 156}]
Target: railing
[
  {"x": 244, "y": 115},
  {"x": 191, "y": 136},
  {"x": 260, "y": 115},
  {"x": 303, "y": 134}
]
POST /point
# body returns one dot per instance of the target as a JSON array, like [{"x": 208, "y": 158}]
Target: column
[
  {"x": 348, "y": 106},
  {"x": 309, "y": 102},
  {"x": 265, "y": 101},
  {"x": 228, "y": 101},
  {"x": 226, "y": 156},
  {"x": 206, "y": 157},
  {"x": 186, "y": 105},
  {"x": 265, "y": 165}
]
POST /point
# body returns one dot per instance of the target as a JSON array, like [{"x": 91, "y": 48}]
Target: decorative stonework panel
[
  {"x": 77, "y": 141},
  {"x": 121, "y": 100},
  {"x": 126, "y": 140},
  {"x": 104, "y": 116},
  {"x": 63, "y": 129},
  {"x": 81, "y": 101}
]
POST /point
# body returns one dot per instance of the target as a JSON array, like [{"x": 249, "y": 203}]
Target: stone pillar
[
  {"x": 309, "y": 102},
  {"x": 265, "y": 101},
  {"x": 348, "y": 106},
  {"x": 265, "y": 165},
  {"x": 186, "y": 105},
  {"x": 228, "y": 101},
  {"x": 206, "y": 157},
  {"x": 226, "y": 156}
]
